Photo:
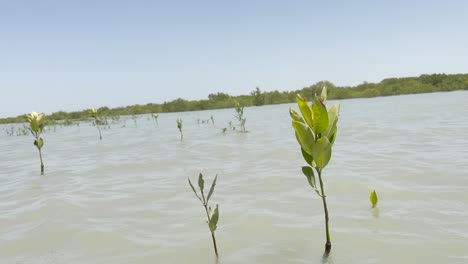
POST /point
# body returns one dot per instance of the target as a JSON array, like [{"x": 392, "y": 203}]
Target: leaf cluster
[
  {"x": 212, "y": 216},
  {"x": 315, "y": 131}
]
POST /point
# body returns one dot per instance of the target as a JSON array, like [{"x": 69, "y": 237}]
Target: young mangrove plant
[
  {"x": 240, "y": 116},
  {"x": 212, "y": 120},
  {"x": 97, "y": 122},
  {"x": 212, "y": 216},
  {"x": 316, "y": 132},
  {"x": 179, "y": 126},
  {"x": 36, "y": 123},
  {"x": 373, "y": 199},
  {"x": 155, "y": 117}
]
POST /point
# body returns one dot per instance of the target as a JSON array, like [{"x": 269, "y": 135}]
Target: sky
[{"x": 74, "y": 55}]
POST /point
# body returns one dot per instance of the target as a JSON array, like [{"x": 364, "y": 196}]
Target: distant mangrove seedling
[
  {"x": 155, "y": 117},
  {"x": 240, "y": 116},
  {"x": 36, "y": 123},
  {"x": 316, "y": 132},
  {"x": 179, "y": 126},
  {"x": 212, "y": 216},
  {"x": 97, "y": 122},
  {"x": 373, "y": 199}
]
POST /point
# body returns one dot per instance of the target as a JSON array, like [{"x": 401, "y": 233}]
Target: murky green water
[{"x": 125, "y": 199}]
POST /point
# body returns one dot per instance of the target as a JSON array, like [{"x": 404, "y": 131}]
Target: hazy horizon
[{"x": 75, "y": 55}]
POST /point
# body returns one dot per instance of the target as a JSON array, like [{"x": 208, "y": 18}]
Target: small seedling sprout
[
  {"x": 179, "y": 126},
  {"x": 212, "y": 216},
  {"x": 97, "y": 122},
  {"x": 36, "y": 126}
]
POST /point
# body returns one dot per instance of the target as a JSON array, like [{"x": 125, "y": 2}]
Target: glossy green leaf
[
  {"x": 323, "y": 96},
  {"x": 201, "y": 182},
  {"x": 373, "y": 198},
  {"x": 214, "y": 220},
  {"x": 193, "y": 189},
  {"x": 211, "y": 189},
  {"x": 304, "y": 136},
  {"x": 320, "y": 115},
  {"x": 305, "y": 109},
  {"x": 309, "y": 173},
  {"x": 322, "y": 152}
]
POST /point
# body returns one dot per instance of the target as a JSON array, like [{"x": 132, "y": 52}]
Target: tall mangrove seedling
[
  {"x": 179, "y": 126},
  {"x": 240, "y": 116},
  {"x": 36, "y": 123},
  {"x": 97, "y": 122},
  {"x": 212, "y": 216},
  {"x": 316, "y": 133}
]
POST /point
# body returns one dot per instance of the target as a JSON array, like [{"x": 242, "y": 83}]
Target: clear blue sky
[{"x": 73, "y": 55}]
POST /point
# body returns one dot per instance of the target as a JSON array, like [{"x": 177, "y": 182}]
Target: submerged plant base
[{"x": 327, "y": 248}]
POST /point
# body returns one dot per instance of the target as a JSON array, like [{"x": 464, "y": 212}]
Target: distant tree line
[{"x": 426, "y": 83}]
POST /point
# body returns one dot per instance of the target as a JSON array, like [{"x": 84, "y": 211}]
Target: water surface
[{"x": 126, "y": 199}]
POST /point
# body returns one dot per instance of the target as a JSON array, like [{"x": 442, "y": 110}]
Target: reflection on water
[{"x": 125, "y": 199}]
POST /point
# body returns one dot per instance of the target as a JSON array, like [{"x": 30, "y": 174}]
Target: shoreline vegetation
[{"x": 426, "y": 83}]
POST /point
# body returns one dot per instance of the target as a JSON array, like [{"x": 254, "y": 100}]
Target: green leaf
[
  {"x": 373, "y": 198},
  {"x": 305, "y": 109},
  {"x": 214, "y": 220},
  {"x": 320, "y": 114},
  {"x": 309, "y": 173},
  {"x": 193, "y": 189},
  {"x": 307, "y": 157},
  {"x": 322, "y": 152},
  {"x": 40, "y": 143},
  {"x": 332, "y": 121},
  {"x": 211, "y": 189},
  {"x": 333, "y": 136},
  {"x": 295, "y": 116},
  {"x": 304, "y": 136},
  {"x": 323, "y": 96},
  {"x": 201, "y": 182}
]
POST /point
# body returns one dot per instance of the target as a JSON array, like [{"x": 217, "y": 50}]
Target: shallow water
[{"x": 126, "y": 199}]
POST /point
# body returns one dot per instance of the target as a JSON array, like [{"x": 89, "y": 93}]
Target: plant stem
[
  {"x": 42, "y": 164},
  {"x": 325, "y": 208}
]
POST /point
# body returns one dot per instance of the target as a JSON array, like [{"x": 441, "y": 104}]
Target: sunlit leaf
[
  {"x": 322, "y": 152},
  {"x": 305, "y": 109},
  {"x": 320, "y": 122},
  {"x": 332, "y": 121},
  {"x": 323, "y": 96},
  {"x": 304, "y": 136}
]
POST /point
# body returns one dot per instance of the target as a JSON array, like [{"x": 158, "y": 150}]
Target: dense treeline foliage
[{"x": 393, "y": 86}]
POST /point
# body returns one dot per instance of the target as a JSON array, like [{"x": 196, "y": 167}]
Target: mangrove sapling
[
  {"x": 316, "y": 132},
  {"x": 212, "y": 120},
  {"x": 179, "y": 126},
  {"x": 240, "y": 117},
  {"x": 97, "y": 122},
  {"x": 212, "y": 216},
  {"x": 36, "y": 123},
  {"x": 155, "y": 117}
]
